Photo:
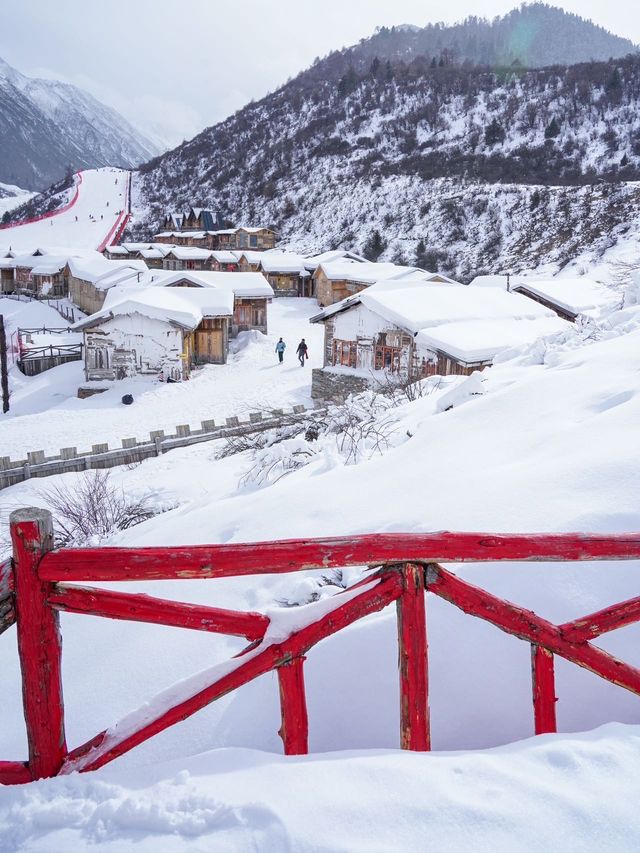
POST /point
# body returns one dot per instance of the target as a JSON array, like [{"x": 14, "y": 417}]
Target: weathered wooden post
[
  {"x": 544, "y": 690},
  {"x": 293, "y": 704},
  {"x": 412, "y": 661},
  {"x": 4, "y": 370},
  {"x": 39, "y": 643}
]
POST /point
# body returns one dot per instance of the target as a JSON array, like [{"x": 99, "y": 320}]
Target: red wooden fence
[{"x": 402, "y": 568}]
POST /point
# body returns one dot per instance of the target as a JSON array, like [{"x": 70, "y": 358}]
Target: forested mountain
[{"x": 47, "y": 127}]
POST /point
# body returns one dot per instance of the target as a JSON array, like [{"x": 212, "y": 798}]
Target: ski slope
[{"x": 91, "y": 219}]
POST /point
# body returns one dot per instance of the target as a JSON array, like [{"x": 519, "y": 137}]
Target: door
[{"x": 209, "y": 344}]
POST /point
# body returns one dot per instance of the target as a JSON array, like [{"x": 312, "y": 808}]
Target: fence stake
[
  {"x": 412, "y": 661},
  {"x": 544, "y": 690},
  {"x": 39, "y": 643},
  {"x": 294, "y": 730}
]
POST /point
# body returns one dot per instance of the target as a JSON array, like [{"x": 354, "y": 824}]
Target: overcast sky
[{"x": 178, "y": 66}]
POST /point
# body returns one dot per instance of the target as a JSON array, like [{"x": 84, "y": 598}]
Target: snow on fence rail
[
  {"x": 37, "y": 464},
  {"x": 402, "y": 568}
]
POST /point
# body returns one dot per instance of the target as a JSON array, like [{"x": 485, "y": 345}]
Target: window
[
  {"x": 98, "y": 358},
  {"x": 242, "y": 241},
  {"x": 345, "y": 353},
  {"x": 253, "y": 240},
  {"x": 387, "y": 358}
]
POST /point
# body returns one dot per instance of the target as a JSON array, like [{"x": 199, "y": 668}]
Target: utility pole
[{"x": 4, "y": 373}]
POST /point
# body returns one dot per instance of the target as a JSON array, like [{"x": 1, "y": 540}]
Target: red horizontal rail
[
  {"x": 105, "y": 747},
  {"x": 14, "y": 773},
  {"x": 145, "y": 608},
  {"x": 296, "y": 555}
]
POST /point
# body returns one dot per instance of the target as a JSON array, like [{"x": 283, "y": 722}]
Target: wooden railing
[{"x": 402, "y": 567}]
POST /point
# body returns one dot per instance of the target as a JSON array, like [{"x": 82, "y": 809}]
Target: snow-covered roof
[
  {"x": 365, "y": 273},
  {"x": 423, "y": 305},
  {"x": 284, "y": 262},
  {"x": 314, "y": 261},
  {"x": 189, "y": 253},
  {"x": 136, "y": 247},
  {"x": 104, "y": 273},
  {"x": 224, "y": 256},
  {"x": 242, "y": 284},
  {"x": 117, "y": 250},
  {"x": 49, "y": 267},
  {"x": 574, "y": 295},
  {"x": 151, "y": 254},
  {"x": 474, "y": 341},
  {"x": 186, "y": 307}
]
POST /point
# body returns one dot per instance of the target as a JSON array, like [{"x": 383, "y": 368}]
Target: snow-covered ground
[
  {"x": 552, "y": 793},
  {"x": 251, "y": 379},
  {"x": 548, "y": 446},
  {"x": 101, "y": 200}
]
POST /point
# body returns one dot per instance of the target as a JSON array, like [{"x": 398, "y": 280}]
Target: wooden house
[
  {"x": 224, "y": 261},
  {"x": 7, "y": 284},
  {"x": 90, "y": 279},
  {"x": 286, "y": 273},
  {"x": 421, "y": 329},
  {"x": 157, "y": 331},
  {"x": 251, "y": 295},
  {"x": 41, "y": 274},
  {"x": 256, "y": 239},
  {"x": 187, "y": 258}
]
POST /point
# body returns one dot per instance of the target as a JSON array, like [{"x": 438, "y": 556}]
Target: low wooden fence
[
  {"x": 133, "y": 450},
  {"x": 402, "y": 568}
]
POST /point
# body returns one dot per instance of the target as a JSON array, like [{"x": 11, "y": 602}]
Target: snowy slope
[
  {"x": 12, "y": 196},
  {"x": 100, "y": 206}
]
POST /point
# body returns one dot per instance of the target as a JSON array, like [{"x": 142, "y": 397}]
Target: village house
[
  {"x": 224, "y": 261},
  {"x": 6, "y": 275},
  {"x": 187, "y": 258},
  {"x": 156, "y": 331},
  {"x": 258, "y": 239},
  {"x": 153, "y": 256},
  {"x": 117, "y": 253},
  {"x": 40, "y": 275},
  {"x": 286, "y": 273},
  {"x": 407, "y": 331},
  {"x": 336, "y": 280},
  {"x": 251, "y": 295},
  {"x": 91, "y": 278}
]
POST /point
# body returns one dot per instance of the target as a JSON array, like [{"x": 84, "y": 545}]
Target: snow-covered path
[
  {"x": 251, "y": 379},
  {"x": 101, "y": 193}
]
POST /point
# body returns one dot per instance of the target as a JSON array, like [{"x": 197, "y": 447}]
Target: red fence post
[
  {"x": 412, "y": 661},
  {"x": 294, "y": 730},
  {"x": 544, "y": 690},
  {"x": 39, "y": 643}
]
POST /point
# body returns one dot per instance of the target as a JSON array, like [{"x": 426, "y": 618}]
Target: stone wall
[{"x": 330, "y": 387}]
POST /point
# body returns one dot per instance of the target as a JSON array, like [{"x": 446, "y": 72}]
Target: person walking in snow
[
  {"x": 302, "y": 352},
  {"x": 280, "y": 348}
]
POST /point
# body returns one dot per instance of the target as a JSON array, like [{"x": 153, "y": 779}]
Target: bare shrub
[
  {"x": 361, "y": 425},
  {"x": 92, "y": 509}
]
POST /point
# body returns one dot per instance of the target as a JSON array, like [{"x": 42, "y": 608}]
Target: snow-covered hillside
[
  {"x": 47, "y": 126},
  {"x": 100, "y": 206},
  {"x": 456, "y": 168}
]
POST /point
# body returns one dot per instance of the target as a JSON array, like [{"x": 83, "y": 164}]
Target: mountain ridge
[{"x": 47, "y": 127}]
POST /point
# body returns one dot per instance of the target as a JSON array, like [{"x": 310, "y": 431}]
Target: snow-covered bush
[{"x": 93, "y": 509}]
